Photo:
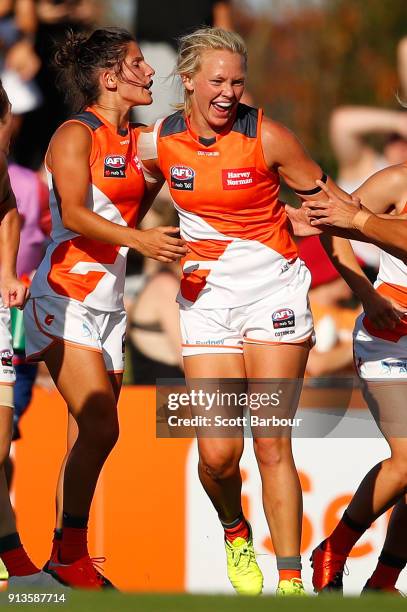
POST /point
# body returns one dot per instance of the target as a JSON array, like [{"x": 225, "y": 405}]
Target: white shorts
[
  {"x": 283, "y": 317},
  {"x": 50, "y": 319},
  {"x": 382, "y": 356},
  {"x": 7, "y": 373}
]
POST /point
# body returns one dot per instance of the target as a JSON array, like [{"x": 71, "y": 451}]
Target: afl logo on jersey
[
  {"x": 182, "y": 177},
  {"x": 284, "y": 317},
  {"x": 115, "y": 166}
]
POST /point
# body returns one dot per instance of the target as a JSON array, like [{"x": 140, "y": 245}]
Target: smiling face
[
  {"x": 215, "y": 90},
  {"x": 133, "y": 80}
]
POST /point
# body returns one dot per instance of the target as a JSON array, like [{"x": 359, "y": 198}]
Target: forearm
[
  {"x": 9, "y": 243},
  {"x": 85, "y": 222},
  {"x": 151, "y": 192},
  {"x": 388, "y": 232},
  {"x": 343, "y": 258},
  {"x": 385, "y": 231}
]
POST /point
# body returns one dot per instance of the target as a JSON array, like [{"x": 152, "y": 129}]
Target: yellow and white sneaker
[
  {"x": 3, "y": 571},
  {"x": 291, "y": 588},
  {"x": 3, "y": 576},
  {"x": 243, "y": 571}
]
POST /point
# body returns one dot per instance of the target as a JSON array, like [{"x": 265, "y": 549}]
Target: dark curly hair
[
  {"x": 79, "y": 59},
  {"x": 4, "y": 102}
]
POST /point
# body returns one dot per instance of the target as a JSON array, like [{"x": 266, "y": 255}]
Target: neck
[
  {"x": 200, "y": 126},
  {"x": 119, "y": 117}
]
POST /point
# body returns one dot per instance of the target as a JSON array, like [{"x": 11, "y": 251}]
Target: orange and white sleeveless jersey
[
  {"x": 378, "y": 350},
  {"x": 227, "y": 199},
  {"x": 392, "y": 276},
  {"x": 78, "y": 268}
]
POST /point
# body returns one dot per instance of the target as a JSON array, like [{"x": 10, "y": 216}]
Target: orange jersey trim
[
  {"x": 36, "y": 356},
  {"x": 254, "y": 341},
  {"x": 58, "y": 339},
  {"x": 396, "y": 292},
  {"x": 214, "y": 346}
]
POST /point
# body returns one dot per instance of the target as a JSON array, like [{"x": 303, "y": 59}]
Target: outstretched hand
[
  {"x": 383, "y": 312},
  {"x": 335, "y": 210},
  {"x": 160, "y": 243},
  {"x": 300, "y": 222}
]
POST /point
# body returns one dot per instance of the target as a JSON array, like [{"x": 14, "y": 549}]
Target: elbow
[
  {"x": 70, "y": 221},
  {"x": 10, "y": 211}
]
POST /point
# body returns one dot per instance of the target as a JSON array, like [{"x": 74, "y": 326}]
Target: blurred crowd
[{"x": 29, "y": 30}]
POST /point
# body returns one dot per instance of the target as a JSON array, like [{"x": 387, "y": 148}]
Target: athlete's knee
[
  {"x": 220, "y": 465},
  {"x": 108, "y": 437},
  {"x": 101, "y": 432},
  {"x": 272, "y": 452}
]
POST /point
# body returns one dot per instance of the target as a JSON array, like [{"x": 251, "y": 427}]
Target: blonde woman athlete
[{"x": 243, "y": 296}]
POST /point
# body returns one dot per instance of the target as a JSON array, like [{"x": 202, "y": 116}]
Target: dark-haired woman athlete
[{"x": 75, "y": 319}]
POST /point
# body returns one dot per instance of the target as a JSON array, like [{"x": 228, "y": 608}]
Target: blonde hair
[{"x": 192, "y": 46}]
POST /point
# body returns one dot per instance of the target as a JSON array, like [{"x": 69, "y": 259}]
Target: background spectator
[
  {"x": 54, "y": 18},
  {"x": 357, "y": 159},
  {"x": 18, "y": 61},
  {"x": 154, "y": 338},
  {"x": 154, "y": 335}
]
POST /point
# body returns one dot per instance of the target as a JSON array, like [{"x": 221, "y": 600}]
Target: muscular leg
[
  {"x": 282, "y": 497},
  {"x": 7, "y": 519},
  {"x": 382, "y": 486},
  {"x": 396, "y": 537},
  {"x": 386, "y": 481},
  {"x": 219, "y": 458},
  {"x": 393, "y": 557},
  {"x": 72, "y": 435},
  {"x": 81, "y": 378}
]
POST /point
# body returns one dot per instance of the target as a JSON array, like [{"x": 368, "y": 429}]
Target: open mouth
[
  {"x": 223, "y": 107},
  {"x": 149, "y": 85}
]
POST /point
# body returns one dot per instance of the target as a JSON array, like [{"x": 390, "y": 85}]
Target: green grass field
[{"x": 112, "y": 602}]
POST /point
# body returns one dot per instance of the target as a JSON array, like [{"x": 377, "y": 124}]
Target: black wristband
[{"x": 309, "y": 192}]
